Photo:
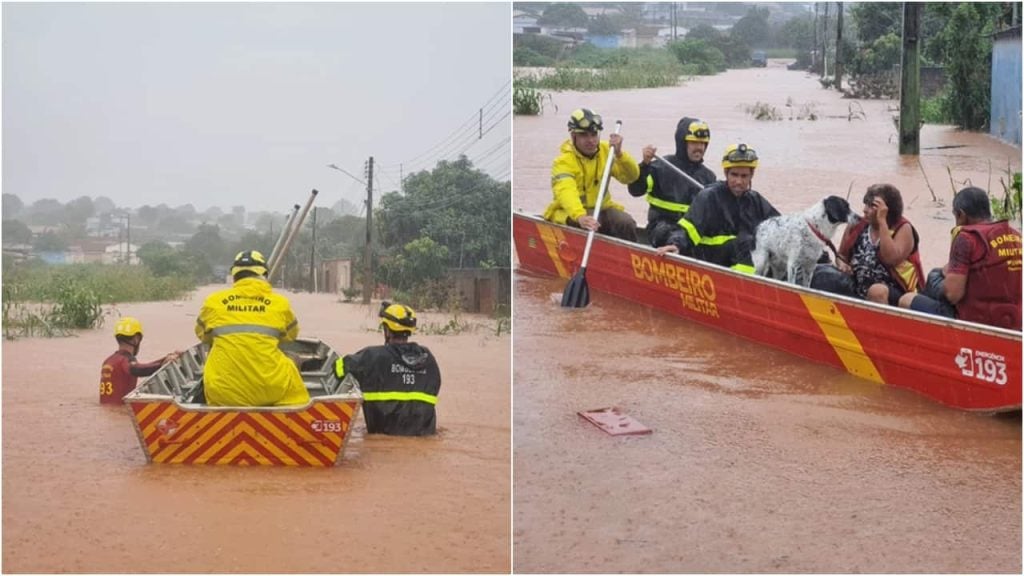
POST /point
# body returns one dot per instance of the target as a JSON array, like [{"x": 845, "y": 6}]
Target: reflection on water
[
  {"x": 751, "y": 449},
  {"x": 759, "y": 461}
]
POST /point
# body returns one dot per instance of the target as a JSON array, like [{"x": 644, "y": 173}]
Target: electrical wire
[
  {"x": 463, "y": 130},
  {"x": 463, "y": 137}
]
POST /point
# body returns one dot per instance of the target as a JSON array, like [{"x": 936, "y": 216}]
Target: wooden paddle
[{"x": 577, "y": 293}]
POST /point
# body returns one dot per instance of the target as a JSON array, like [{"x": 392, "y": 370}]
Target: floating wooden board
[{"x": 614, "y": 422}]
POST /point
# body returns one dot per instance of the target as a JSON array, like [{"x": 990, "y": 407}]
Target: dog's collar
[{"x": 824, "y": 239}]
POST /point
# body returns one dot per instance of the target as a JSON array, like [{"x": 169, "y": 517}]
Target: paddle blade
[{"x": 577, "y": 293}]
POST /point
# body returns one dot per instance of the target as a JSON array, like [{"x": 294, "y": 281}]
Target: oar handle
[
  {"x": 600, "y": 195},
  {"x": 679, "y": 171}
]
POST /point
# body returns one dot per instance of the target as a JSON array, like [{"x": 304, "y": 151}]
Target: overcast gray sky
[{"x": 246, "y": 104}]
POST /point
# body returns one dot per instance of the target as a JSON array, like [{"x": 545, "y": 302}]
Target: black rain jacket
[
  {"x": 400, "y": 383},
  {"x": 668, "y": 193},
  {"x": 719, "y": 227}
]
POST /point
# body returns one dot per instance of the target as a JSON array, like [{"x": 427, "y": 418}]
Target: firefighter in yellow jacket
[
  {"x": 576, "y": 179},
  {"x": 243, "y": 325}
]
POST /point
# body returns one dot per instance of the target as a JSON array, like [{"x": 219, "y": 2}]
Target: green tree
[
  {"x": 753, "y": 28},
  {"x": 207, "y": 251},
  {"x": 12, "y": 205},
  {"x": 164, "y": 261},
  {"x": 565, "y": 15},
  {"x": 102, "y": 205},
  {"x": 261, "y": 240},
  {"x": 873, "y": 20},
  {"x": 50, "y": 241},
  {"x": 733, "y": 47},
  {"x": 147, "y": 215},
  {"x": 631, "y": 14},
  {"x": 705, "y": 58},
  {"x": 457, "y": 206},
  {"x": 79, "y": 210},
  {"x": 344, "y": 206},
  {"x": 173, "y": 223},
  {"x": 964, "y": 44},
  {"x": 704, "y": 32},
  {"x": 797, "y": 33},
  {"x": 15, "y": 232},
  {"x": 420, "y": 262},
  {"x": 604, "y": 25},
  {"x": 45, "y": 212},
  {"x": 880, "y": 55},
  {"x": 525, "y": 56},
  {"x": 343, "y": 237}
]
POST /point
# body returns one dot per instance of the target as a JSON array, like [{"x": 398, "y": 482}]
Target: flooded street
[
  {"x": 78, "y": 495},
  {"x": 801, "y": 161},
  {"x": 759, "y": 461}
]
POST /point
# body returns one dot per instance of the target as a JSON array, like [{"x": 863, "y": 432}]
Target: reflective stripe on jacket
[
  {"x": 720, "y": 227},
  {"x": 244, "y": 325},
  {"x": 576, "y": 181},
  {"x": 668, "y": 193},
  {"x": 400, "y": 383}
]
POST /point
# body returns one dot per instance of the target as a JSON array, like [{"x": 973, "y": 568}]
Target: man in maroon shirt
[
  {"x": 982, "y": 280},
  {"x": 121, "y": 371}
]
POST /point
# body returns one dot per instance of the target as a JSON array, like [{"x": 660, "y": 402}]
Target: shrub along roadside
[
  {"x": 47, "y": 300},
  {"x": 618, "y": 69},
  {"x": 528, "y": 101},
  {"x": 1009, "y": 206}
]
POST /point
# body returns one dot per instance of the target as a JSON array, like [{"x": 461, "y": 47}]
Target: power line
[
  {"x": 412, "y": 206},
  {"x": 480, "y": 159},
  {"x": 448, "y": 152},
  {"x": 463, "y": 130},
  {"x": 460, "y": 148},
  {"x": 461, "y": 135}
]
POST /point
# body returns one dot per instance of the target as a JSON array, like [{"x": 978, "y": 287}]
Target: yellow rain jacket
[
  {"x": 244, "y": 325},
  {"x": 576, "y": 180}
]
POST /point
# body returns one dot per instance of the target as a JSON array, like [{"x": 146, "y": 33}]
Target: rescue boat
[
  {"x": 174, "y": 428},
  {"x": 960, "y": 364}
]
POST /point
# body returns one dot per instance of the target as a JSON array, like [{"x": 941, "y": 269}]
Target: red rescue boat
[{"x": 960, "y": 364}]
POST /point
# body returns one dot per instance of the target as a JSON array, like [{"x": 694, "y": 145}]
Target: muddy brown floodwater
[
  {"x": 759, "y": 461},
  {"x": 78, "y": 495}
]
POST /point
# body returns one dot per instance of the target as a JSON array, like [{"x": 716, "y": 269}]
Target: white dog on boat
[{"x": 789, "y": 245}]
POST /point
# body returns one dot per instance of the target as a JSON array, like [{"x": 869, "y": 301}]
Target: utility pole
[
  {"x": 824, "y": 45},
  {"x": 368, "y": 266},
  {"x": 481, "y": 124},
  {"x": 128, "y": 244},
  {"x": 839, "y": 48},
  {"x": 675, "y": 21},
  {"x": 910, "y": 81},
  {"x": 312, "y": 256},
  {"x": 814, "y": 57}
]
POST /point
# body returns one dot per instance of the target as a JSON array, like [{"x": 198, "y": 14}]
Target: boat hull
[
  {"x": 960, "y": 364},
  {"x": 172, "y": 430}
]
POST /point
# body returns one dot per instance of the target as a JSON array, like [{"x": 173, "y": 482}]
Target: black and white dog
[{"x": 789, "y": 245}]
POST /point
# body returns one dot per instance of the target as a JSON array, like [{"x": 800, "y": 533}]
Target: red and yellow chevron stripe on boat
[
  {"x": 962, "y": 365},
  {"x": 313, "y": 436}
]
